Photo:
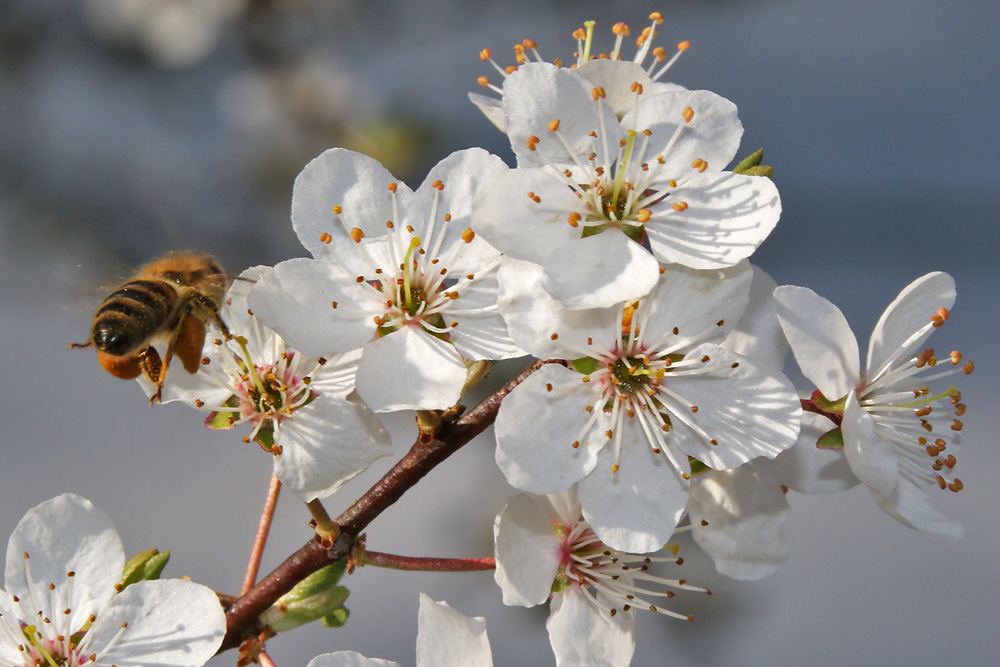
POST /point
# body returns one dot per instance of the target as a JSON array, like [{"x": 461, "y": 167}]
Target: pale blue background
[{"x": 880, "y": 119}]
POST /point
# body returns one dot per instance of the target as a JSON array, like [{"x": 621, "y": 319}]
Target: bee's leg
[
  {"x": 208, "y": 304},
  {"x": 89, "y": 343},
  {"x": 155, "y": 369}
]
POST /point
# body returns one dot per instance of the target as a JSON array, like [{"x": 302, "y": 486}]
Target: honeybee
[{"x": 166, "y": 304}]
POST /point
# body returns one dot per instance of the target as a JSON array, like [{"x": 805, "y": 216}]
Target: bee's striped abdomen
[{"x": 132, "y": 314}]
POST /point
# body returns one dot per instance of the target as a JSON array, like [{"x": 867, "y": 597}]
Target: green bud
[
  {"x": 751, "y": 165},
  {"x": 144, "y": 566},
  {"x": 317, "y": 597}
]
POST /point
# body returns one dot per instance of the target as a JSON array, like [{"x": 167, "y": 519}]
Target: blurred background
[{"x": 132, "y": 127}]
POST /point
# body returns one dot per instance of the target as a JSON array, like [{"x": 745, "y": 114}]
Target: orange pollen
[
  {"x": 554, "y": 336},
  {"x": 656, "y": 16},
  {"x": 393, "y": 187},
  {"x": 437, "y": 185},
  {"x": 510, "y": 69},
  {"x": 468, "y": 235},
  {"x": 554, "y": 125},
  {"x": 535, "y": 198},
  {"x": 334, "y": 304},
  {"x": 530, "y": 44},
  {"x": 485, "y": 54},
  {"x": 598, "y": 93},
  {"x": 620, "y": 29},
  {"x": 337, "y": 210},
  {"x": 968, "y": 367},
  {"x": 684, "y": 46},
  {"x": 357, "y": 234},
  {"x": 644, "y": 215},
  {"x": 325, "y": 237},
  {"x": 688, "y": 114},
  {"x": 576, "y": 445},
  {"x": 956, "y": 357},
  {"x": 483, "y": 81},
  {"x": 680, "y": 206},
  {"x": 660, "y": 54},
  {"x": 388, "y": 224},
  {"x": 700, "y": 165},
  {"x": 574, "y": 219},
  {"x": 579, "y": 33},
  {"x": 636, "y": 88}
]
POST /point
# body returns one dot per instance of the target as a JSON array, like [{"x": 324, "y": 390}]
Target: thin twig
[
  {"x": 421, "y": 459},
  {"x": 428, "y": 564},
  {"x": 253, "y": 567}
]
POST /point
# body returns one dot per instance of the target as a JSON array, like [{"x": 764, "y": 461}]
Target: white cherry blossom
[
  {"x": 897, "y": 437},
  {"x": 300, "y": 408},
  {"x": 544, "y": 549},
  {"x": 611, "y": 71},
  {"x": 445, "y": 638},
  {"x": 647, "y": 387},
  {"x": 61, "y": 606},
  {"x": 592, "y": 192},
  {"x": 397, "y": 272}
]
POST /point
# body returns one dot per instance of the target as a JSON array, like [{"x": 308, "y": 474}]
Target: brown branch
[
  {"x": 420, "y": 460},
  {"x": 427, "y": 563}
]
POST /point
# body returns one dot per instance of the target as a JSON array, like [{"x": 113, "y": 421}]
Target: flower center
[{"x": 613, "y": 580}]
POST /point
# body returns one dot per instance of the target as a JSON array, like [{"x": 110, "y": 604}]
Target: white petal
[
  {"x": 911, "y": 506},
  {"x": 66, "y": 533},
  {"x": 536, "y": 428},
  {"x": 336, "y": 377},
  {"x": 693, "y": 301},
  {"x": 543, "y": 326},
  {"x": 637, "y": 508},
  {"x": 356, "y": 183},
  {"x": 747, "y": 410},
  {"x": 758, "y": 333},
  {"x": 491, "y": 108},
  {"x": 713, "y": 134},
  {"x": 539, "y": 93},
  {"x": 727, "y": 216},
  {"x": 871, "y": 458},
  {"x": 907, "y": 313},
  {"x": 821, "y": 339},
  {"x": 296, "y": 299},
  {"x": 463, "y": 175},
  {"x": 616, "y": 78},
  {"x": 808, "y": 469},
  {"x": 410, "y": 369},
  {"x": 599, "y": 271},
  {"x": 518, "y": 225},
  {"x": 448, "y": 638},
  {"x": 479, "y": 331},
  {"x": 527, "y": 551},
  {"x": 349, "y": 659},
  {"x": 170, "y": 622},
  {"x": 581, "y": 635},
  {"x": 739, "y": 520},
  {"x": 326, "y": 443}
]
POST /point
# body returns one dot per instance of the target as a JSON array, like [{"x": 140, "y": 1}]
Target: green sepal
[
  {"x": 317, "y": 597},
  {"x": 752, "y": 165},
  {"x": 832, "y": 439},
  {"x": 585, "y": 365},
  {"x": 823, "y": 403},
  {"x": 265, "y": 436},
  {"x": 697, "y": 467},
  {"x": 144, "y": 566},
  {"x": 223, "y": 421}
]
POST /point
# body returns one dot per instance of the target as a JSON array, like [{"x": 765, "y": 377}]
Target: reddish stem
[
  {"x": 420, "y": 460},
  {"x": 263, "y": 529},
  {"x": 423, "y": 563}
]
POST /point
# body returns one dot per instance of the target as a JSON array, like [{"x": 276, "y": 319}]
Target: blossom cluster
[{"x": 616, "y": 250}]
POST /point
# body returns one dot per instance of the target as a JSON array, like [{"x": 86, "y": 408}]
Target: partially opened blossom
[
  {"x": 647, "y": 386},
  {"x": 898, "y": 437},
  {"x": 623, "y": 79},
  {"x": 298, "y": 407},
  {"x": 445, "y": 638},
  {"x": 398, "y": 273},
  {"x": 61, "y": 606},
  {"x": 544, "y": 549},
  {"x": 591, "y": 193}
]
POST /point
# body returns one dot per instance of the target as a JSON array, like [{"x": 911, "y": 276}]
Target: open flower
[
  {"x": 545, "y": 549},
  {"x": 621, "y": 79},
  {"x": 647, "y": 387},
  {"x": 592, "y": 192},
  {"x": 898, "y": 438},
  {"x": 300, "y": 408},
  {"x": 61, "y": 606},
  {"x": 445, "y": 638},
  {"x": 397, "y": 272}
]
